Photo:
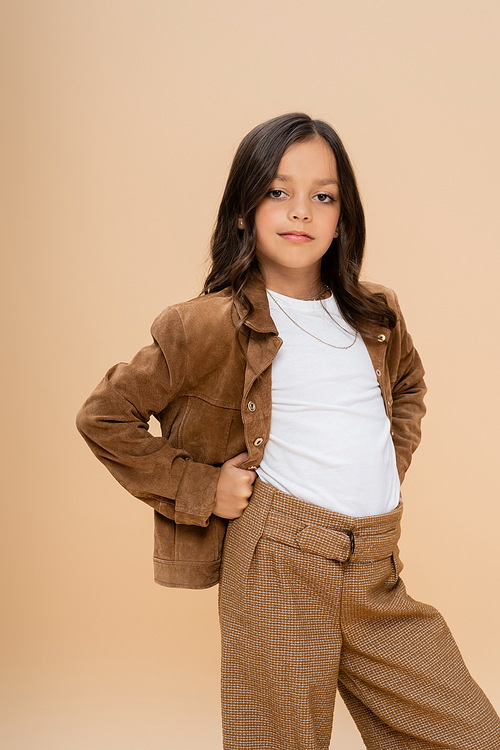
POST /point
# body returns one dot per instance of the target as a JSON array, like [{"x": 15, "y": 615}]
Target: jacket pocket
[
  {"x": 187, "y": 543},
  {"x": 204, "y": 431}
]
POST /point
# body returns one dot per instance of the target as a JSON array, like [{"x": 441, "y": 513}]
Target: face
[{"x": 297, "y": 220}]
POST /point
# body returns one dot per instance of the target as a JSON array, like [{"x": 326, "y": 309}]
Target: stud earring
[{"x": 240, "y": 223}]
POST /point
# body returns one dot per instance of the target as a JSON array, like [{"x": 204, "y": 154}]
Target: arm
[
  {"x": 408, "y": 390},
  {"x": 114, "y": 423}
]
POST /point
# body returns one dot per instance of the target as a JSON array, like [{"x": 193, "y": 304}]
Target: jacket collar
[{"x": 260, "y": 319}]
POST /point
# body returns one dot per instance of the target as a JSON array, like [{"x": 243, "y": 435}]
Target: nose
[{"x": 298, "y": 209}]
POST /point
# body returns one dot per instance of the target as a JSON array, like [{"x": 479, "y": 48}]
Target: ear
[{"x": 241, "y": 225}]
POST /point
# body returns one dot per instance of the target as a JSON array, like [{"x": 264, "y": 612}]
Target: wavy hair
[{"x": 233, "y": 259}]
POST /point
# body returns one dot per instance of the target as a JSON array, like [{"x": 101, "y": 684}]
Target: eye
[
  {"x": 272, "y": 193},
  {"x": 325, "y": 198}
]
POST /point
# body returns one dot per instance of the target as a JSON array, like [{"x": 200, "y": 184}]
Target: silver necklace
[{"x": 312, "y": 334}]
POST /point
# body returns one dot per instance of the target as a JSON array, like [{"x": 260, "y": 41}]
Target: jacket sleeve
[
  {"x": 408, "y": 391},
  {"x": 114, "y": 423}
]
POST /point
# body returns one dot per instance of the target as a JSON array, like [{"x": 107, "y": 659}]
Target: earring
[{"x": 240, "y": 223}]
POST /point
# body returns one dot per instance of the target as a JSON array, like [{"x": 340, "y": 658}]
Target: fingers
[
  {"x": 234, "y": 487},
  {"x": 237, "y": 460},
  {"x": 252, "y": 474},
  {"x": 247, "y": 477}
]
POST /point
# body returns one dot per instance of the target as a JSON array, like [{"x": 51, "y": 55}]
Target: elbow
[{"x": 84, "y": 421}]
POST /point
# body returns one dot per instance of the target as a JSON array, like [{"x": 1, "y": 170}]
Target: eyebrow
[{"x": 287, "y": 178}]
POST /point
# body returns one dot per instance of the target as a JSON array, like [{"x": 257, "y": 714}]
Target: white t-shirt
[{"x": 330, "y": 442}]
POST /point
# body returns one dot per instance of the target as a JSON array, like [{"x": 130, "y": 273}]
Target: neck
[
  {"x": 323, "y": 294},
  {"x": 299, "y": 288}
]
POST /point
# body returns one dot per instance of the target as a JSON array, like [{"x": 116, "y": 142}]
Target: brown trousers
[{"x": 310, "y": 601}]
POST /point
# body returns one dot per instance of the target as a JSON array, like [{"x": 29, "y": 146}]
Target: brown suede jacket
[{"x": 213, "y": 405}]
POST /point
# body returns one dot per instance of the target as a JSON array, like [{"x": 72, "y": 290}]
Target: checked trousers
[{"x": 310, "y": 601}]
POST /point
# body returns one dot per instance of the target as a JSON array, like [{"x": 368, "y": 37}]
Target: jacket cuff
[{"x": 195, "y": 497}]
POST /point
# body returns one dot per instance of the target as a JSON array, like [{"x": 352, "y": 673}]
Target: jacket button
[
  {"x": 258, "y": 441},
  {"x": 381, "y": 337},
  {"x": 251, "y": 406},
  {"x": 378, "y": 373}
]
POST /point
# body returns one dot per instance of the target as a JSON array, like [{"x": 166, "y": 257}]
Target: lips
[{"x": 296, "y": 235}]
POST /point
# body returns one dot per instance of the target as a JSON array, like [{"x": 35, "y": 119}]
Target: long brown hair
[{"x": 253, "y": 169}]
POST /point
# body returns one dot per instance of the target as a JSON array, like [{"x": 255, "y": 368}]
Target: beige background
[{"x": 122, "y": 117}]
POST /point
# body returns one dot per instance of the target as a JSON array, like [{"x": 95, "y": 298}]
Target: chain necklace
[{"x": 312, "y": 334}]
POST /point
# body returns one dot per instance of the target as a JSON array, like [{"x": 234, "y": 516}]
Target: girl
[{"x": 288, "y": 487}]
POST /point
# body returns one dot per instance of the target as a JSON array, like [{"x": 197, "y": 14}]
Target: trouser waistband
[{"x": 324, "y": 532}]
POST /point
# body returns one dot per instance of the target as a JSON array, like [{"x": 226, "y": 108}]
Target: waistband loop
[
  {"x": 352, "y": 548},
  {"x": 338, "y": 545}
]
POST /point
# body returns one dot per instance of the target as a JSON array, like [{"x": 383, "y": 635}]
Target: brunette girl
[{"x": 290, "y": 397}]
